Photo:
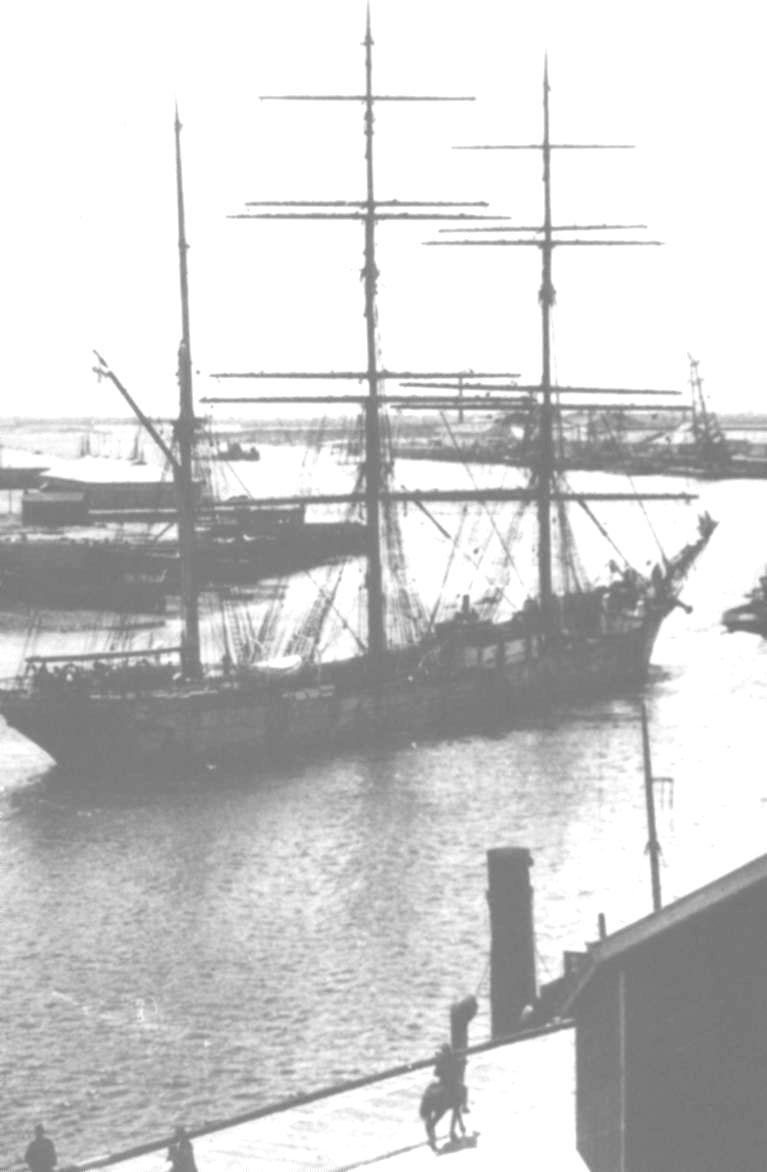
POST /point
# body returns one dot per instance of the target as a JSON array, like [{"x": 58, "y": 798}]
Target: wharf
[{"x": 522, "y": 1100}]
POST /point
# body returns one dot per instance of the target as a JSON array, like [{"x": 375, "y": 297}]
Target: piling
[
  {"x": 461, "y": 1013},
  {"x": 512, "y": 938}
]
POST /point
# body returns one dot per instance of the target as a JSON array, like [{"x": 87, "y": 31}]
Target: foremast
[
  {"x": 545, "y": 468},
  {"x": 546, "y": 237}
]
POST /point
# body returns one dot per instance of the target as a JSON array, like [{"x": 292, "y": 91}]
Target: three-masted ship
[{"x": 468, "y": 672}]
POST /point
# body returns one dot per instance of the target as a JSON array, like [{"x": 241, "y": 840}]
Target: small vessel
[
  {"x": 751, "y": 615},
  {"x": 475, "y": 669},
  {"x": 235, "y": 451}
]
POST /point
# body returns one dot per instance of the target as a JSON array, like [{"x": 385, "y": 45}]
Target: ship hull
[
  {"x": 137, "y": 576},
  {"x": 241, "y": 721},
  {"x": 750, "y": 617},
  {"x": 592, "y": 460}
]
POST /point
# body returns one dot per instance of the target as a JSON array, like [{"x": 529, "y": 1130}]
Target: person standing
[
  {"x": 41, "y": 1156},
  {"x": 181, "y": 1153}
]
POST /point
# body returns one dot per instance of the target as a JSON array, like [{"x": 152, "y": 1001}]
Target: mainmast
[
  {"x": 368, "y": 211},
  {"x": 376, "y": 614},
  {"x": 183, "y": 472}
]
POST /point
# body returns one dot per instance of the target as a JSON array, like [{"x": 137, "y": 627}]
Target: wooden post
[
  {"x": 461, "y": 1013},
  {"x": 653, "y": 846},
  {"x": 512, "y": 938}
]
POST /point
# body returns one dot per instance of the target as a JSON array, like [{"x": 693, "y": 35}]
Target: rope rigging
[
  {"x": 310, "y": 630},
  {"x": 641, "y": 503},
  {"x": 571, "y": 570},
  {"x": 448, "y": 567},
  {"x": 485, "y": 506},
  {"x": 499, "y": 580}
]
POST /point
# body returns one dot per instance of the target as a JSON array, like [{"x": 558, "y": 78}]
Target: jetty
[
  {"x": 522, "y": 1108},
  {"x": 521, "y": 1082}
]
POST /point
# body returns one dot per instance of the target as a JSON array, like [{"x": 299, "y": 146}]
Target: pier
[{"x": 521, "y": 1099}]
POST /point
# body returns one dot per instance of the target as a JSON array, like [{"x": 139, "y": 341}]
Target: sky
[{"x": 87, "y": 205}]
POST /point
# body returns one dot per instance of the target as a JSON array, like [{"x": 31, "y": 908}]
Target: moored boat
[
  {"x": 235, "y": 451},
  {"x": 473, "y": 670},
  {"x": 750, "y": 616}
]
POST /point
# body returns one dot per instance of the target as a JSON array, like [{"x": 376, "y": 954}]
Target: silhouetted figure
[
  {"x": 446, "y": 1093},
  {"x": 40, "y": 1156},
  {"x": 461, "y": 1014},
  {"x": 181, "y": 1153}
]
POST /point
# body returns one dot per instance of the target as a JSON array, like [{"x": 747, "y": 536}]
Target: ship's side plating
[{"x": 246, "y": 718}]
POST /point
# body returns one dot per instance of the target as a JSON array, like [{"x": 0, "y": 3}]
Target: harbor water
[{"x": 180, "y": 950}]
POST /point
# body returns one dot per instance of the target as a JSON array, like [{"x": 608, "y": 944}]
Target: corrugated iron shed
[{"x": 671, "y": 1035}]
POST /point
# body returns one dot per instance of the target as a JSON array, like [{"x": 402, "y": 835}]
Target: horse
[{"x": 438, "y": 1098}]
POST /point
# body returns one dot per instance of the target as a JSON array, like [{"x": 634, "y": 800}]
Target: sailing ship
[{"x": 470, "y": 671}]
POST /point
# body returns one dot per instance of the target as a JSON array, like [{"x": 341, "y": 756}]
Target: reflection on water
[{"x": 179, "y": 949}]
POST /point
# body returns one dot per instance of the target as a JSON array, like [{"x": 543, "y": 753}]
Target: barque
[{"x": 471, "y": 671}]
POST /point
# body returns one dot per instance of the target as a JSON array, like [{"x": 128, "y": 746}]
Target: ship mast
[
  {"x": 544, "y": 491},
  {"x": 369, "y": 211},
  {"x": 546, "y": 237},
  {"x": 545, "y": 469},
  {"x": 185, "y": 426},
  {"x": 376, "y": 614},
  {"x": 180, "y": 460}
]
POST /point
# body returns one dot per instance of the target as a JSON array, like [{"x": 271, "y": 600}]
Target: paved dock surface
[{"x": 522, "y": 1114}]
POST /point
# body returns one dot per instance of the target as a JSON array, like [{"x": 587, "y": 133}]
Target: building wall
[
  {"x": 696, "y": 1044},
  {"x": 598, "y": 1076},
  {"x": 53, "y": 509}
]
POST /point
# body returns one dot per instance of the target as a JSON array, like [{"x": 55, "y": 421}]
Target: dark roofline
[{"x": 658, "y": 923}]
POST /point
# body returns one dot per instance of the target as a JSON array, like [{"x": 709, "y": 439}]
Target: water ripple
[{"x": 183, "y": 951}]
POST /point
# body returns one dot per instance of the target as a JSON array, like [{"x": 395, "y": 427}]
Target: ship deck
[{"x": 522, "y": 1104}]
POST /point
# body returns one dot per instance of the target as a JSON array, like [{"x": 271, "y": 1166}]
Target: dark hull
[
  {"x": 250, "y": 719},
  {"x": 20, "y": 477},
  {"x": 734, "y": 469},
  {"x": 137, "y": 576},
  {"x": 84, "y": 592},
  {"x": 750, "y": 617}
]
